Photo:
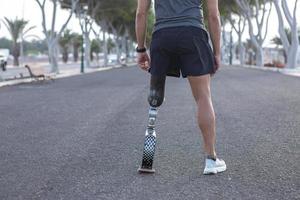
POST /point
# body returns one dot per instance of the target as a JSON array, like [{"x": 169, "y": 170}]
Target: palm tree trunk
[
  {"x": 75, "y": 53},
  {"x": 16, "y": 54}
]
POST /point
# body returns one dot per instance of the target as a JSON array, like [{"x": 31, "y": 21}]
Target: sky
[{"x": 31, "y": 12}]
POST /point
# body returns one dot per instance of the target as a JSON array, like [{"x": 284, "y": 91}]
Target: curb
[
  {"x": 15, "y": 82},
  {"x": 60, "y": 76},
  {"x": 289, "y": 72}
]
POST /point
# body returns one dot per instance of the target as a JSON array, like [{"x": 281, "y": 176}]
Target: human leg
[{"x": 200, "y": 86}]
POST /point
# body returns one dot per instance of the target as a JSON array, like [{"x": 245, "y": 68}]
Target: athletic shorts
[{"x": 181, "y": 51}]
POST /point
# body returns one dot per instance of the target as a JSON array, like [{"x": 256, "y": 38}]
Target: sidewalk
[
  {"x": 289, "y": 72},
  {"x": 14, "y": 75}
]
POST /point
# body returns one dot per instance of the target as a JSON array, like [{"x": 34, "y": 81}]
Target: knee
[
  {"x": 157, "y": 91},
  {"x": 203, "y": 97}
]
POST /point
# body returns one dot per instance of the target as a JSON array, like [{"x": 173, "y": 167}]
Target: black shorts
[{"x": 181, "y": 49}]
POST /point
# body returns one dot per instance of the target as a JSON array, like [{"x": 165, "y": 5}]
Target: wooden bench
[{"x": 38, "y": 73}]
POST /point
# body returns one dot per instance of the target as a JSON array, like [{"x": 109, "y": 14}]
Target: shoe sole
[
  {"x": 214, "y": 170},
  {"x": 146, "y": 171}
]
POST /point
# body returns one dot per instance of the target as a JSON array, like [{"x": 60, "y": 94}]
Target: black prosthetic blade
[{"x": 148, "y": 154}]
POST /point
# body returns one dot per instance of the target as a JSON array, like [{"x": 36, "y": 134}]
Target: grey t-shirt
[{"x": 174, "y": 13}]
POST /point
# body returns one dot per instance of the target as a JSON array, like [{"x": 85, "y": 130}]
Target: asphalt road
[{"x": 82, "y": 138}]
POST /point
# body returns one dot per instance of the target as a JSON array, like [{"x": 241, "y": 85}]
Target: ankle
[{"x": 212, "y": 157}]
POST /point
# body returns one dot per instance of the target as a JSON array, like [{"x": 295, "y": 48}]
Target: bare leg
[{"x": 200, "y": 86}]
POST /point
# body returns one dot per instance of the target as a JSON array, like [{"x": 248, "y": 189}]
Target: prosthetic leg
[{"x": 155, "y": 99}]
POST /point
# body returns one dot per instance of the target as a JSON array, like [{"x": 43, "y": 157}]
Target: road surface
[{"x": 82, "y": 138}]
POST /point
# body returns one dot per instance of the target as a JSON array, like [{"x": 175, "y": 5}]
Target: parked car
[
  {"x": 4, "y": 53},
  {"x": 112, "y": 59}
]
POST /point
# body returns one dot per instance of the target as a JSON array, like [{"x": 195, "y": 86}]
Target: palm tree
[
  {"x": 95, "y": 48},
  {"x": 17, "y": 31},
  {"x": 64, "y": 42},
  {"x": 77, "y": 43}
]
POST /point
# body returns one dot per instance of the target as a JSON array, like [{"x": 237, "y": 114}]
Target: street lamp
[
  {"x": 82, "y": 55},
  {"x": 82, "y": 15}
]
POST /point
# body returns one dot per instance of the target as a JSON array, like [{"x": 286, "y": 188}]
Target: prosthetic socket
[
  {"x": 155, "y": 99},
  {"x": 157, "y": 91}
]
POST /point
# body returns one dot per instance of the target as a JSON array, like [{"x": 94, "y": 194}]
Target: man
[{"x": 180, "y": 44}]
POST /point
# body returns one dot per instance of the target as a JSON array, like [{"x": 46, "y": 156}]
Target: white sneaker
[{"x": 214, "y": 167}]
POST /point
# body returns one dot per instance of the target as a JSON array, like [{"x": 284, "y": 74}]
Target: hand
[
  {"x": 143, "y": 61},
  {"x": 217, "y": 63}
]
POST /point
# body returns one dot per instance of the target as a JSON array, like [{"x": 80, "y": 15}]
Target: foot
[{"x": 214, "y": 166}]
